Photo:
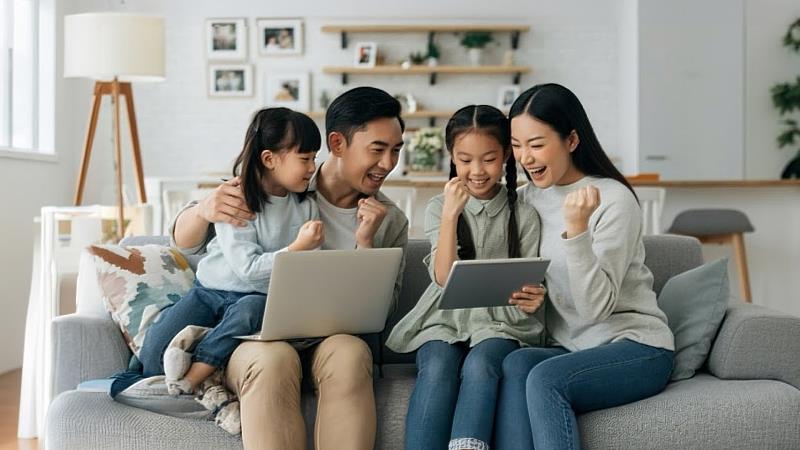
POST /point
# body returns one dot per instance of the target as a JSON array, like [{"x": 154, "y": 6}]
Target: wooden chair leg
[{"x": 741, "y": 266}]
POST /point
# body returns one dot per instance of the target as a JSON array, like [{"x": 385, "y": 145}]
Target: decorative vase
[
  {"x": 433, "y": 62},
  {"x": 475, "y": 55}
]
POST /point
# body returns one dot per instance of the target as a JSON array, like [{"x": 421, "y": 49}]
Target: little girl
[
  {"x": 460, "y": 352},
  {"x": 275, "y": 167}
]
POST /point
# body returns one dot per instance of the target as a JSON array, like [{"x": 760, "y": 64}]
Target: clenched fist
[
  {"x": 370, "y": 216},
  {"x": 310, "y": 236},
  {"x": 578, "y": 207},
  {"x": 456, "y": 196}
]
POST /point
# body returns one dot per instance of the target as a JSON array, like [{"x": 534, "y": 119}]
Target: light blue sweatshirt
[{"x": 240, "y": 259}]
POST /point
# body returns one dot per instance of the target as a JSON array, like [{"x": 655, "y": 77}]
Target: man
[{"x": 364, "y": 136}]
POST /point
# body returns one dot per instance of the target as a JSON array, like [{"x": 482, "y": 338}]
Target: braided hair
[{"x": 490, "y": 121}]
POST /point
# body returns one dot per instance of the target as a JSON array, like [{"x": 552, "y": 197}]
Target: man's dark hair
[{"x": 351, "y": 111}]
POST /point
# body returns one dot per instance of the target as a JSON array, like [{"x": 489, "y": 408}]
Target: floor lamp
[{"x": 114, "y": 49}]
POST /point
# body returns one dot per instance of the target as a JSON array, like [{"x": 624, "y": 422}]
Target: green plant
[
  {"x": 786, "y": 98},
  {"x": 433, "y": 50},
  {"x": 426, "y": 148},
  {"x": 417, "y": 57},
  {"x": 476, "y": 39}
]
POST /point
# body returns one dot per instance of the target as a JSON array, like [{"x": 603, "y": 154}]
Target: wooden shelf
[
  {"x": 344, "y": 71},
  {"x": 431, "y": 29},
  {"x": 415, "y": 115},
  {"x": 421, "y": 28},
  {"x": 434, "y": 182}
]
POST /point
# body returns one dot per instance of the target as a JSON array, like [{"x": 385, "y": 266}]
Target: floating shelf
[
  {"x": 344, "y": 71},
  {"x": 515, "y": 30},
  {"x": 420, "y": 114}
]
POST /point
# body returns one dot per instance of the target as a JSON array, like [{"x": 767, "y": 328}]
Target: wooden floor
[{"x": 9, "y": 413}]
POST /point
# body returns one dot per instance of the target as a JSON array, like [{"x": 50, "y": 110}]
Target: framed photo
[
  {"x": 290, "y": 90},
  {"x": 506, "y": 96},
  {"x": 366, "y": 54},
  {"x": 280, "y": 36},
  {"x": 226, "y": 39},
  {"x": 230, "y": 80}
]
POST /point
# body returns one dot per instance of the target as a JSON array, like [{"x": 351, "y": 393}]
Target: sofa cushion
[
  {"x": 695, "y": 302},
  {"x": 137, "y": 282}
]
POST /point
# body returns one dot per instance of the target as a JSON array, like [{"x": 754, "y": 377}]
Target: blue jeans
[
  {"x": 543, "y": 389},
  {"x": 229, "y": 313},
  {"x": 455, "y": 393}
]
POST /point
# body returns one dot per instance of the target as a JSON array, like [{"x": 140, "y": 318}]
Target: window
[{"x": 27, "y": 76}]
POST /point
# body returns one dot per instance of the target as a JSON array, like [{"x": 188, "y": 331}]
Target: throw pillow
[
  {"x": 695, "y": 302},
  {"x": 138, "y": 282}
]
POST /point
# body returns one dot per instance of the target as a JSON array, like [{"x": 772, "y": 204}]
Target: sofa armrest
[
  {"x": 757, "y": 343},
  {"x": 85, "y": 348}
]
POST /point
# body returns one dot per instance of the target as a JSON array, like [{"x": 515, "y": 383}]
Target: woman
[{"x": 610, "y": 344}]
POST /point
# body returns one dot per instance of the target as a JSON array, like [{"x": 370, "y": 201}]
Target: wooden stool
[{"x": 719, "y": 226}]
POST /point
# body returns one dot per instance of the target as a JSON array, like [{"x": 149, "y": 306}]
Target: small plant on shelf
[
  {"x": 475, "y": 41},
  {"x": 433, "y": 54},
  {"x": 426, "y": 148},
  {"x": 786, "y": 98}
]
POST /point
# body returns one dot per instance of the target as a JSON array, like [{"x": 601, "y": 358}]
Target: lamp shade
[{"x": 107, "y": 45}]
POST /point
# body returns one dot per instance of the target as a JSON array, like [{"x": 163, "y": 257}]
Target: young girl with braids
[{"x": 460, "y": 352}]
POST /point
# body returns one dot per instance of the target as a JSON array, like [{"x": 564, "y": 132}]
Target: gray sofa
[{"x": 746, "y": 397}]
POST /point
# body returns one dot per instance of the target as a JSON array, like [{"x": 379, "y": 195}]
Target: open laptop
[{"x": 322, "y": 293}]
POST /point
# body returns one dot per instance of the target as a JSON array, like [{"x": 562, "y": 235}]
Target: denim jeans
[
  {"x": 543, "y": 389},
  {"x": 455, "y": 393},
  {"x": 229, "y": 313}
]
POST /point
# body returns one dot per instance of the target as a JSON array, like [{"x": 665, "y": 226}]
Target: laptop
[
  {"x": 487, "y": 283},
  {"x": 321, "y": 293}
]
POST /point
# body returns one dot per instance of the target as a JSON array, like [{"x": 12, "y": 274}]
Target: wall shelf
[
  {"x": 344, "y": 71},
  {"x": 432, "y": 29},
  {"x": 420, "y": 114}
]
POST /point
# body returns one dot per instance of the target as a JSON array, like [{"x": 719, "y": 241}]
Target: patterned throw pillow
[{"x": 137, "y": 283}]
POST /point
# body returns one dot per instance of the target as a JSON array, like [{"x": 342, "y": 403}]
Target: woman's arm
[
  {"x": 598, "y": 261},
  {"x": 225, "y": 205}
]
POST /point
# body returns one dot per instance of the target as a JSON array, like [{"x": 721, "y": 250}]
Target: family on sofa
[{"x": 591, "y": 337}]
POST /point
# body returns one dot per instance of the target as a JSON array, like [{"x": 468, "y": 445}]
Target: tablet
[{"x": 486, "y": 283}]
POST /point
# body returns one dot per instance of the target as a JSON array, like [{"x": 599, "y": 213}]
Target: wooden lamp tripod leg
[
  {"x": 88, "y": 141},
  {"x": 137, "y": 153}
]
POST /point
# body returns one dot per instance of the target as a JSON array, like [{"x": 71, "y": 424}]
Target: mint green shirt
[{"x": 488, "y": 222}]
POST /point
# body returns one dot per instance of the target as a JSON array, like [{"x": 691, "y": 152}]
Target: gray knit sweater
[{"x": 599, "y": 289}]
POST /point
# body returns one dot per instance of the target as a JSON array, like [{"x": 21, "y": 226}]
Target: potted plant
[
  {"x": 475, "y": 41},
  {"x": 433, "y": 54},
  {"x": 426, "y": 149},
  {"x": 786, "y": 98},
  {"x": 416, "y": 58}
]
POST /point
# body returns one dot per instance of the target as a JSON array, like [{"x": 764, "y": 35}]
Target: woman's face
[{"x": 543, "y": 153}]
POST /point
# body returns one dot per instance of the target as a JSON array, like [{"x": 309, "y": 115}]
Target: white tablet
[{"x": 486, "y": 283}]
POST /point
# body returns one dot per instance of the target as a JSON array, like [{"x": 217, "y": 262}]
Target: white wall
[
  {"x": 184, "y": 132},
  {"x": 26, "y": 186},
  {"x": 691, "y": 105},
  {"x": 768, "y": 63}
]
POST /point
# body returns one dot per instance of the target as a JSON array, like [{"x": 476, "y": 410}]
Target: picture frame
[
  {"x": 279, "y": 37},
  {"x": 287, "y": 89},
  {"x": 226, "y": 39},
  {"x": 230, "y": 80},
  {"x": 366, "y": 54},
  {"x": 506, "y": 96}
]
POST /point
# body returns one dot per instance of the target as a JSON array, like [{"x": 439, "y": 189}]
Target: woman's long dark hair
[
  {"x": 492, "y": 122},
  {"x": 277, "y": 130},
  {"x": 558, "y": 107}
]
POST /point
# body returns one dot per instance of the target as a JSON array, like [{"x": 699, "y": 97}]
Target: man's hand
[
  {"x": 310, "y": 236},
  {"x": 370, "y": 216},
  {"x": 226, "y": 204}
]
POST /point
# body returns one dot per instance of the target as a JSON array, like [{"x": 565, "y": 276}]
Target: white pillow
[{"x": 88, "y": 296}]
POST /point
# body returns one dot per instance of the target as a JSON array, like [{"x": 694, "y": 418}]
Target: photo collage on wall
[{"x": 229, "y": 71}]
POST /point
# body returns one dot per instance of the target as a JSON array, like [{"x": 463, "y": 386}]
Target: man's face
[{"x": 371, "y": 154}]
